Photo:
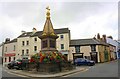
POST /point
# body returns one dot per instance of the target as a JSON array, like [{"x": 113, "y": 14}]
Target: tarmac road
[{"x": 109, "y": 69}]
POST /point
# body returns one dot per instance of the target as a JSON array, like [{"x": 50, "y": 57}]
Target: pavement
[{"x": 48, "y": 75}]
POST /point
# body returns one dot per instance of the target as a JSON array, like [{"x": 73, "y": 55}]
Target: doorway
[{"x": 94, "y": 57}]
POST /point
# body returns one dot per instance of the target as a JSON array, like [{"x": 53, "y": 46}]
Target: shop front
[{"x": 8, "y": 57}]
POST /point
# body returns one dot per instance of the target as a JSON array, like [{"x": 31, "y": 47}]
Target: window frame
[
  {"x": 22, "y": 52},
  {"x": 61, "y": 36},
  {"x": 14, "y": 48},
  {"x": 5, "y": 49},
  {"x": 62, "y": 46},
  {"x": 35, "y": 48},
  {"x": 76, "y": 49},
  {"x": 27, "y": 51},
  {"x": 93, "y": 48},
  {"x": 27, "y": 42},
  {"x": 23, "y": 43}
]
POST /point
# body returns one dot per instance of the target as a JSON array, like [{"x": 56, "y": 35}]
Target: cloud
[
  {"x": 84, "y": 19},
  {"x": 106, "y": 23}
]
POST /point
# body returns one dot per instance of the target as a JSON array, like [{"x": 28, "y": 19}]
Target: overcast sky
[{"x": 84, "y": 19}]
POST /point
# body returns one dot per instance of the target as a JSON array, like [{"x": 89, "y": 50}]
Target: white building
[
  {"x": 29, "y": 43},
  {"x": 10, "y": 51},
  {"x": 114, "y": 43}
]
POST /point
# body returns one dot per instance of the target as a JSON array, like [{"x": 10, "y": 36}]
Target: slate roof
[
  {"x": 39, "y": 33},
  {"x": 87, "y": 42},
  {"x": 12, "y": 41}
]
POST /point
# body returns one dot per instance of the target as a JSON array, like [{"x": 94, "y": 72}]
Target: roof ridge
[{"x": 96, "y": 40}]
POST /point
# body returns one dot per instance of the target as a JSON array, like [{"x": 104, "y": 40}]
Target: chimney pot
[
  {"x": 104, "y": 38},
  {"x": 34, "y": 30}
]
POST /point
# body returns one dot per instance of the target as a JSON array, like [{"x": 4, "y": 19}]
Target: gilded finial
[{"x": 48, "y": 12}]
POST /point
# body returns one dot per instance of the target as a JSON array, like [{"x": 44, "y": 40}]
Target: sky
[{"x": 84, "y": 19}]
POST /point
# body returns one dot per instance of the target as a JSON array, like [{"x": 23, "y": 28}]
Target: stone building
[{"x": 91, "y": 49}]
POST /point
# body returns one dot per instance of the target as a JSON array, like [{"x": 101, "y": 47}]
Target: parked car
[
  {"x": 15, "y": 64},
  {"x": 82, "y": 61}
]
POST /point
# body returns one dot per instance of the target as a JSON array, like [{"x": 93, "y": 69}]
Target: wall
[
  {"x": 10, "y": 49},
  {"x": 98, "y": 52},
  {"x": 86, "y": 50},
  {"x": 21, "y": 47},
  {"x": 72, "y": 50},
  {"x": 113, "y": 42},
  {"x": 37, "y": 43},
  {"x": 64, "y": 41},
  {"x": 101, "y": 53},
  {"x": 101, "y": 49}
]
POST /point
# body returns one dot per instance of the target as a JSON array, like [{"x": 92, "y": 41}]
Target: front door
[{"x": 94, "y": 56}]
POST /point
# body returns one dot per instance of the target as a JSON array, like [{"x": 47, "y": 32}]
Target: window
[
  {"x": 52, "y": 44},
  {"x": 44, "y": 44},
  {"x": 61, "y": 36},
  {"x": 35, "y": 48},
  {"x": 23, "y": 43},
  {"x": 14, "y": 58},
  {"x": 6, "y": 49},
  {"x": 27, "y": 51},
  {"x": 35, "y": 39},
  {"x": 5, "y": 59},
  {"x": 62, "y": 46},
  {"x": 77, "y": 49},
  {"x": 22, "y": 52},
  {"x": 27, "y": 42},
  {"x": 14, "y": 48},
  {"x": 93, "y": 47}
]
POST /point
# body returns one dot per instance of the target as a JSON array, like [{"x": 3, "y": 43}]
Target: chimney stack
[
  {"x": 7, "y": 40},
  {"x": 34, "y": 30},
  {"x": 110, "y": 37},
  {"x": 104, "y": 38},
  {"x": 98, "y": 36},
  {"x": 23, "y": 31}
]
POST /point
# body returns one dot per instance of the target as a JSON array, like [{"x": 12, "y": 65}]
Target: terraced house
[
  {"x": 29, "y": 43},
  {"x": 94, "y": 49},
  {"x": 10, "y": 51}
]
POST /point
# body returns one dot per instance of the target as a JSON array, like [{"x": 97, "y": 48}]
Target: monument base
[{"x": 46, "y": 51}]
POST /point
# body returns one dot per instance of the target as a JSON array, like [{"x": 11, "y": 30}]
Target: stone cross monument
[{"x": 48, "y": 37}]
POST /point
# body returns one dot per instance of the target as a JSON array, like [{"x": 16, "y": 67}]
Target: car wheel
[
  {"x": 17, "y": 68},
  {"x": 89, "y": 64},
  {"x": 9, "y": 67},
  {"x": 76, "y": 64}
]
